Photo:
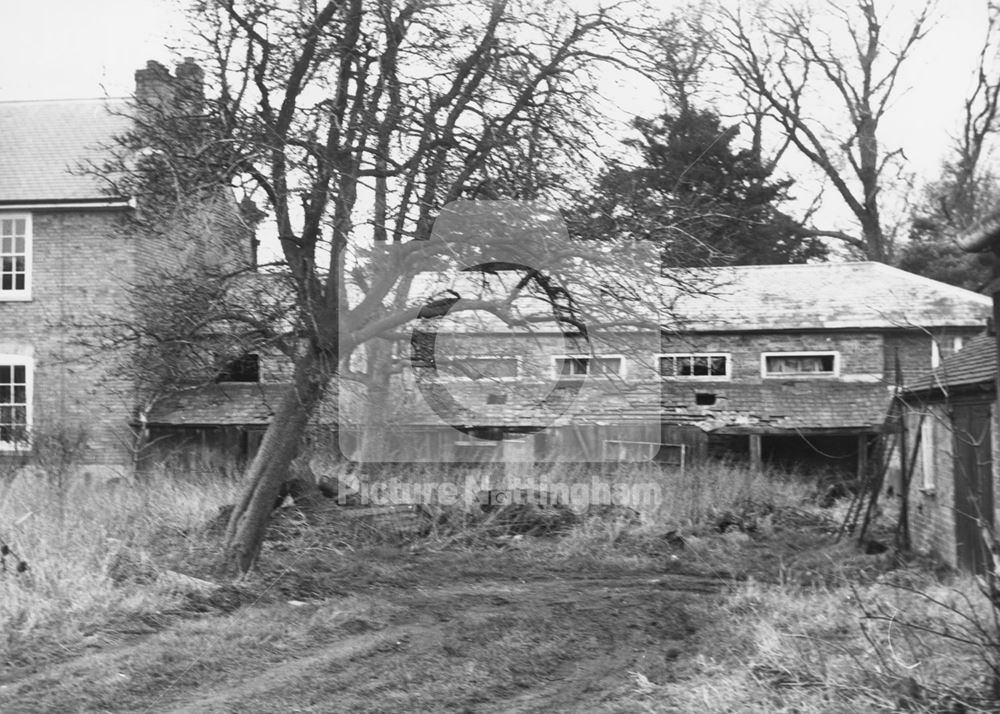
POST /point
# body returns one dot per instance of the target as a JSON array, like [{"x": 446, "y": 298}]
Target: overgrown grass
[
  {"x": 792, "y": 643},
  {"x": 87, "y": 550},
  {"x": 782, "y": 648}
]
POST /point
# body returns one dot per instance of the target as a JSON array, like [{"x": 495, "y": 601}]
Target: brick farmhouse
[{"x": 65, "y": 266}]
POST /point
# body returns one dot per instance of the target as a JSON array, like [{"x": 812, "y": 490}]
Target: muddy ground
[{"x": 511, "y": 624}]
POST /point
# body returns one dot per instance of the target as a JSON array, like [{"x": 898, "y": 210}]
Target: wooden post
[
  {"x": 862, "y": 457},
  {"x": 903, "y": 526},
  {"x": 756, "y": 464}
]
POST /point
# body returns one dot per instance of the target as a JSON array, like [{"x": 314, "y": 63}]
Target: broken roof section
[
  {"x": 975, "y": 364},
  {"x": 45, "y": 142},
  {"x": 825, "y": 296}
]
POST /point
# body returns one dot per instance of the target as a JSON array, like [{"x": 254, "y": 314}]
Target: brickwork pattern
[{"x": 78, "y": 277}]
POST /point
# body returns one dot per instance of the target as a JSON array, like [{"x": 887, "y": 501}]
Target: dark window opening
[
  {"x": 705, "y": 399},
  {"x": 244, "y": 369},
  {"x": 694, "y": 365},
  {"x": 792, "y": 364}
]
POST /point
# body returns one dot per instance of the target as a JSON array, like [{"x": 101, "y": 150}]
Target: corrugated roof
[
  {"x": 43, "y": 142},
  {"x": 976, "y": 363},
  {"x": 827, "y": 296}
]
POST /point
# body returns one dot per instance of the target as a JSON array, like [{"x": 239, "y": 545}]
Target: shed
[{"x": 951, "y": 417}]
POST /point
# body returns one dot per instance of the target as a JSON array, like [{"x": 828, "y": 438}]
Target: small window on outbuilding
[
  {"x": 705, "y": 399},
  {"x": 244, "y": 369},
  {"x": 800, "y": 364}
]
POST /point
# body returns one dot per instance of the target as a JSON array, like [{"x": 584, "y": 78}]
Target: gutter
[{"x": 70, "y": 204}]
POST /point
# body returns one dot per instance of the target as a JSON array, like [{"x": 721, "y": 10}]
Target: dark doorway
[
  {"x": 973, "y": 484},
  {"x": 813, "y": 453}
]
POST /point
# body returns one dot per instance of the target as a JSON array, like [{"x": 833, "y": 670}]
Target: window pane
[
  {"x": 800, "y": 364},
  {"x": 573, "y": 366},
  {"x": 19, "y": 226},
  {"x": 19, "y": 374},
  {"x": 6, "y": 244},
  {"x": 610, "y": 365},
  {"x": 700, "y": 368},
  {"x": 718, "y": 366},
  {"x": 20, "y": 395},
  {"x": 19, "y": 244},
  {"x": 5, "y": 373},
  {"x": 6, "y": 227},
  {"x": 6, "y": 394}
]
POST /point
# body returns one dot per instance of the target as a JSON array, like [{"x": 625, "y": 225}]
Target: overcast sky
[{"x": 87, "y": 48}]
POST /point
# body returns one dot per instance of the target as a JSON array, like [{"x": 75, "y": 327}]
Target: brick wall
[
  {"x": 79, "y": 269},
  {"x": 932, "y": 488}
]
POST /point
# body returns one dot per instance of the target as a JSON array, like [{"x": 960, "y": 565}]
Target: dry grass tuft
[{"x": 88, "y": 549}]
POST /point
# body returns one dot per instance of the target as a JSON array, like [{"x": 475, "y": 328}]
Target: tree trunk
[{"x": 269, "y": 469}]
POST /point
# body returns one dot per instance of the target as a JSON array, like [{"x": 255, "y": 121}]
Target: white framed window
[
  {"x": 478, "y": 367},
  {"x": 800, "y": 364},
  {"x": 587, "y": 365},
  {"x": 15, "y": 256},
  {"x": 15, "y": 401},
  {"x": 695, "y": 365}
]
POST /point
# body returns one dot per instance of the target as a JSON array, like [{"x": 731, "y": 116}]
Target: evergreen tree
[{"x": 704, "y": 200}]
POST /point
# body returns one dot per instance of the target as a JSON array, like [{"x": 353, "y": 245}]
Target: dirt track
[
  {"x": 610, "y": 628},
  {"x": 495, "y": 645}
]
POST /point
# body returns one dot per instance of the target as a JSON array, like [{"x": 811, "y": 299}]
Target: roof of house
[
  {"x": 976, "y": 363},
  {"x": 826, "y": 296},
  {"x": 44, "y": 142}
]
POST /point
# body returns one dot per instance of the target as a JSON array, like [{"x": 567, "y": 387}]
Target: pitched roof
[
  {"x": 976, "y": 363},
  {"x": 43, "y": 142},
  {"x": 827, "y": 296}
]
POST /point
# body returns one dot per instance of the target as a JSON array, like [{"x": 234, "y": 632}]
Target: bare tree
[
  {"x": 967, "y": 188},
  {"x": 357, "y": 122},
  {"x": 828, "y": 87}
]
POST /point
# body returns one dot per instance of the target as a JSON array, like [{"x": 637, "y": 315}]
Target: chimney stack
[
  {"x": 184, "y": 93},
  {"x": 191, "y": 81},
  {"x": 153, "y": 85}
]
